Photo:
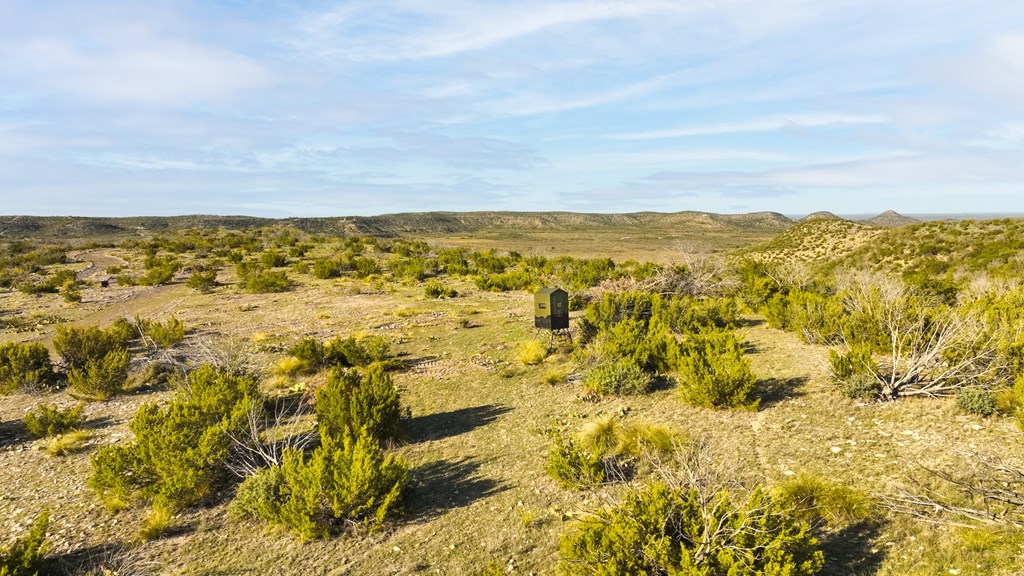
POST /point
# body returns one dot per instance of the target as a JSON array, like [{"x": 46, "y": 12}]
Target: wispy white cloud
[
  {"x": 142, "y": 69},
  {"x": 760, "y": 125},
  {"x": 451, "y": 28},
  {"x": 526, "y": 104},
  {"x": 667, "y": 102}
]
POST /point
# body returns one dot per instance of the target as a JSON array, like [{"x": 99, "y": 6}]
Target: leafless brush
[
  {"x": 994, "y": 494},
  {"x": 122, "y": 561},
  {"x": 251, "y": 450}
]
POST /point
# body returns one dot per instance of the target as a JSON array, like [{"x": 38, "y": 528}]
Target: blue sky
[{"x": 346, "y": 108}]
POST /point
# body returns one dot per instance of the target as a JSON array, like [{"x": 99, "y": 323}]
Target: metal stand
[{"x": 560, "y": 335}]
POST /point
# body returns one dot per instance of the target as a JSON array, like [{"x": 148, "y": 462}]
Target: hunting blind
[{"x": 551, "y": 309}]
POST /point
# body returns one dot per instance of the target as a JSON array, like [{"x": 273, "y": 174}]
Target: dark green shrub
[
  {"x": 976, "y": 400},
  {"x": 861, "y": 386},
  {"x": 24, "y": 556},
  {"x": 273, "y": 259},
  {"x": 179, "y": 452},
  {"x": 267, "y": 282},
  {"x": 365, "y": 267},
  {"x": 357, "y": 352},
  {"x": 123, "y": 330},
  {"x": 24, "y": 366},
  {"x": 126, "y": 280},
  {"x": 352, "y": 404},
  {"x": 325, "y": 269},
  {"x": 819, "y": 318},
  {"x": 344, "y": 483},
  {"x": 160, "y": 275},
  {"x": 203, "y": 281},
  {"x": 47, "y": 420},
  {"x": 415, "y": 268},
  {"x": 163, "y": 334},
  {"x": 854, "y": 372},
  {"x": 310, "y": 353},
  {"x": 574, "y": 467},
  {"x": 621, "y": 376},
  {"x": 714, "y": 373},
  {"x": 310, "y": 356},
  {"x": 77, "y": 346},
  {"x": 651, "y": 346},
  {"x": 70, "y": 293},
  {"x": 673, "y": 530},
  {"x": 507, "y": 281},
  {"x": 435, "y": 289},
  {"x": 102, "y": 378}
]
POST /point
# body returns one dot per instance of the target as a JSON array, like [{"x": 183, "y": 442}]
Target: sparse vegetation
[{"x": 390, "y": 399}]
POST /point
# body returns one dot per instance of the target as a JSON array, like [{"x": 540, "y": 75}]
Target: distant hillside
[
  {"x": 937, "y": 248},
  {"x": 890, "y": 219},
  {"x": 824, "y": 214},
  {"x": 819, "y": 239},
  {"x": 393, "y": 224}
]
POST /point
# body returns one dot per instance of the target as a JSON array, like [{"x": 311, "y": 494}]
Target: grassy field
[{"x": 476, "y": 435}]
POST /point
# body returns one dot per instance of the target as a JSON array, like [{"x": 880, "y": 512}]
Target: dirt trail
[
  {"x": 119, "y": 302},
  {"x": 99, "y": 260}
]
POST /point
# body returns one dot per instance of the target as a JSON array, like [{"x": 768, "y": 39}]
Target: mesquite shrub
[
  {"x": 662, "y": 529},
  {"x": 179, "y": 452},
  {"x": 24, "y": 367}
]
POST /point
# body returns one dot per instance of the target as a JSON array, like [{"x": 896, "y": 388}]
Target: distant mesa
[
  {"x": 392, "y": 225},
  {"x": 890, "y": 219},
  {"x": 821, "y": 215}
]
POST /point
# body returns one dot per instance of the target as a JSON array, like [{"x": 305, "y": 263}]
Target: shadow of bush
[
  {"x": 851, "y": 551},
  {"x": 447, "y": 485},
  {"x": 453, "y": 423},
  {"x": 774, "y": 390}
]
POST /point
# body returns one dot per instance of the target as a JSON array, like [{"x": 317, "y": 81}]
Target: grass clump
[
  {"x": 531, "y": 352},
  {"x": 67, "y": 443},
  {"x": 159, "y": 520},
  {"x": 556, "y": 376},
  {"x": 48, "y": 420},
  {"x": 24, "y": 556},
  {"x": 24, "y": 367},
  {"x": 605, "y": 449},
  {"x": 822, "y": 502}
]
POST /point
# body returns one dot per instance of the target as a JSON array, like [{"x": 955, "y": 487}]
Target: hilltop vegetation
[
  {"x": 819, "y": 240},
  {"x": 286, "y": 400}
]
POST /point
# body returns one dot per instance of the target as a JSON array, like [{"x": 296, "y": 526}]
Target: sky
[{"x": 322, "y": 108}]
